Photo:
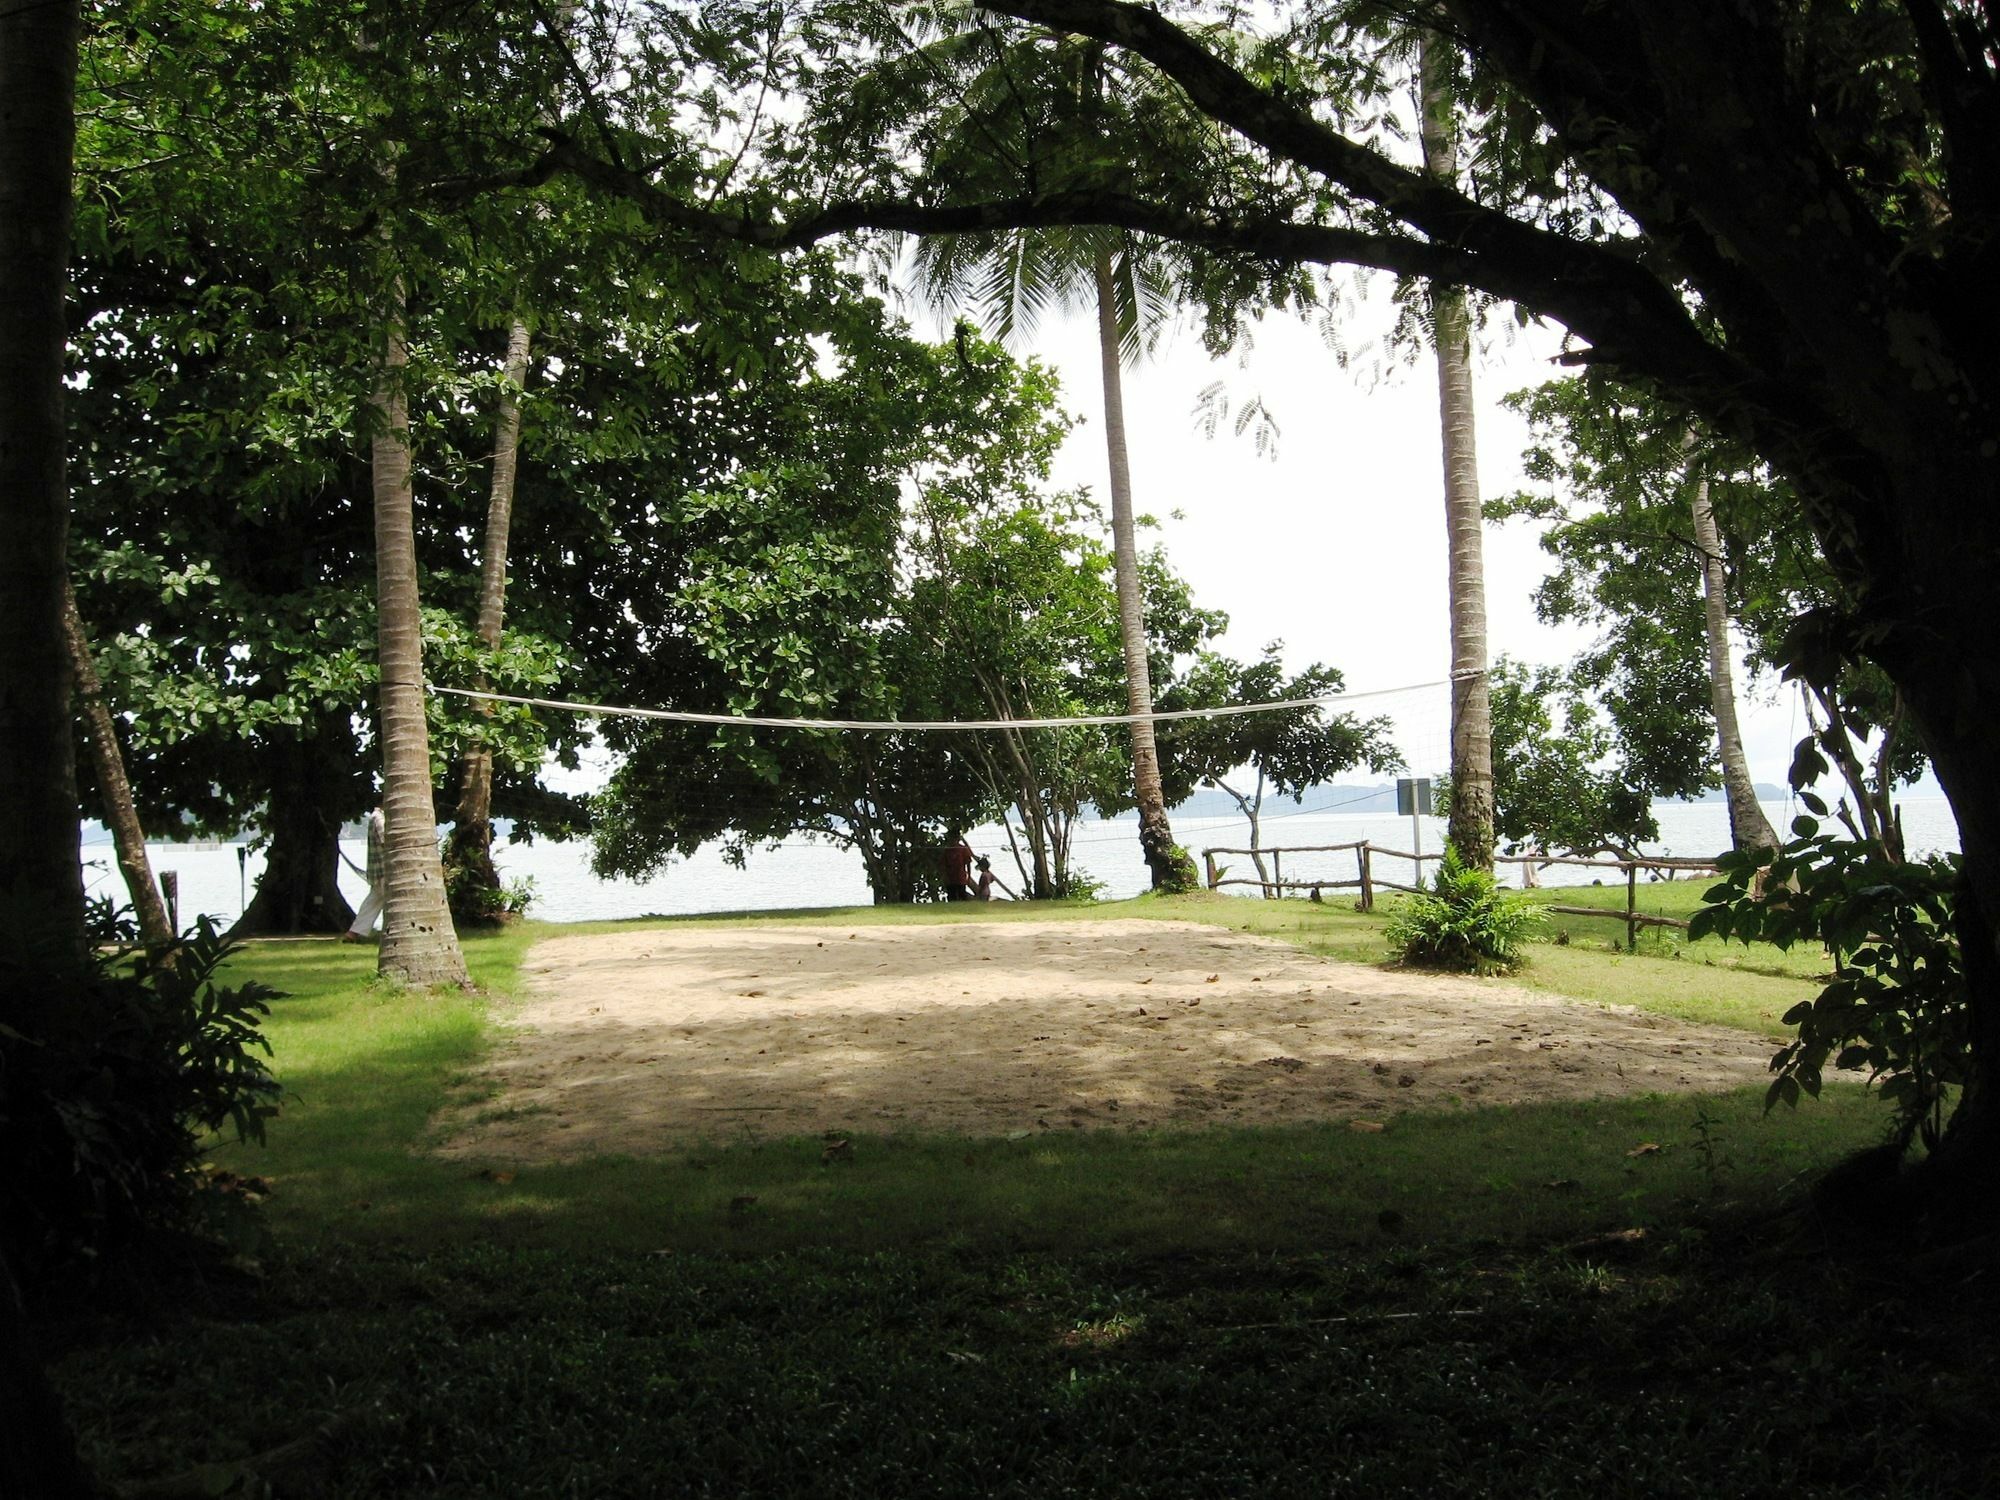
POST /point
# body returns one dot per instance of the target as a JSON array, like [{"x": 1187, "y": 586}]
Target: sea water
[{"x": 803, "y": 872}]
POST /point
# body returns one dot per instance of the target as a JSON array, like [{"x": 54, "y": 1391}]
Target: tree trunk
[
  {"x": 311, "y": 786},
  {"x": 108, "y": 761},
  {"x": 1748, "y": 827},
  {"x": 1037, "y": 823},
  {"x": 1872, "y": 818},
  {"x": 1156, "y": 836},
  {"x": 1948, "y": 510},
  {"x": 1253, "y": 809},
  {"x": 419, "y": 945},
  {"x": 470, "y": 851},
  {"x": 41, "y": 868},
  {"x": 1955, "y": 1191},
  {"x": 1471, "y": 822}
]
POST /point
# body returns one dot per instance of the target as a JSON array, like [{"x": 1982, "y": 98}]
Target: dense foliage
[
  {"x": 113, "y": 1073},
  {"x": 1896, "y": 1006},
  {"x": 1611, "y": 476},
  {"x": 1557, "y": 786}
]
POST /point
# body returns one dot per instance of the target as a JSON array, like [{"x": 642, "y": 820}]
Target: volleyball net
[{"x": 1046, "y": 796}]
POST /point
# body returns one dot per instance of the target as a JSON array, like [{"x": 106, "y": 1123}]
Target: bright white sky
[{"x": 1337, "y": 547}]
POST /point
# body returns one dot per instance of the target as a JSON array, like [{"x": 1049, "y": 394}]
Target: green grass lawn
[{"x": 1429, "y": 1310}]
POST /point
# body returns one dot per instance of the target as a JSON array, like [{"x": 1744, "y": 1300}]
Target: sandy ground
[{"x": 634, "y": 1043}]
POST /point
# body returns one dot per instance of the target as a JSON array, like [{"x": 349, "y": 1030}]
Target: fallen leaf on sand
[{"x": 1648, "y": 1149}]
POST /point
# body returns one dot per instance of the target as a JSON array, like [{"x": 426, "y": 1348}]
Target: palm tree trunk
[
  {"x": 1748, "y": 827},
  {"x": 41, "y": 871},
  {"x": 1156, "y": 836},
  {"x": 472, "y": 834},
  {"x": 127, "y": 836},
  {"x": 1471, "y": 821},
  {"x": 419, "y": 946}
]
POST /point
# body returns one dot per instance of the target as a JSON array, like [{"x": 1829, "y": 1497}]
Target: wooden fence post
[
  {"x": 1208, "y": 858},
  {"x": 1278, "y": 874},
  {"x": 1631, "y": 907},
  {"x": 170, "y": 892},
  {"x": 1367, "y": 876}
]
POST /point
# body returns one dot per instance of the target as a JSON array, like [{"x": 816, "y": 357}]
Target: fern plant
[{"x": 1464, "y": 923}]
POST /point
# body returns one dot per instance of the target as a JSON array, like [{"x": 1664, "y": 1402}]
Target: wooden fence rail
[{"x": 1368, "y": 882}]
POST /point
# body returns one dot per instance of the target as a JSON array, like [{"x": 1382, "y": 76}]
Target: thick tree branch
[
  {"x": 1291, "y": 132},
  {"x": 1960, "y": 92},
  {"x": 1628, "y": 317},
  {"x": 1795, "y": 232},
  {"x": 1634, "y": 319}
]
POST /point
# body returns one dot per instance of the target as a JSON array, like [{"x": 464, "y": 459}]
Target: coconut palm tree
[
  {"x": 1748, "y": 827},
  {"x": 128, "y": 836},
  {"x": 419, "y": 944},
  {"x": 1116, "y": 284},
  {"x": 1007, "y": 97},
  {"x": 471, "y": 848},
  {"x": 1471, "y": 816}
]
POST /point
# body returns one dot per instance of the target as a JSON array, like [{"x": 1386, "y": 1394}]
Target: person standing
[
  {"x": 376, "y": 874},
  {"x": 957, "y": 862}
]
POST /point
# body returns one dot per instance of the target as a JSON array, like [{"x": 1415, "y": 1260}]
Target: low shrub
[
  {"x": 1464, "y": 923},
  {"x": 1896, "y": 1007},
  {"x": 114, "y": 1069},
  {"x": 474, "y": 892}
]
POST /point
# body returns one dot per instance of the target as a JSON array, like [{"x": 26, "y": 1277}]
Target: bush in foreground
[
  {"x": 1464, "y": 923},
  {"x": 1896, "y": 1006},
  {"x": 113, "y": 1071}
]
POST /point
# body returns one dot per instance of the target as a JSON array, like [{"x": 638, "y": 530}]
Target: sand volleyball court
[{"x": 640, "y": 1042}]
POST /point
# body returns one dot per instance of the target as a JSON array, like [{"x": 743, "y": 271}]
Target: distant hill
[
  {"x": 1331, "y": 797},
  {"x": 1765, "y": 793},
  {"x": 96, "y": 834}
]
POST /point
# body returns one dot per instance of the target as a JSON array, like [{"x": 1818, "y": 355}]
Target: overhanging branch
[
  {"x": 1618, "y": 306},
  {"x": 1629, "y": 319}
]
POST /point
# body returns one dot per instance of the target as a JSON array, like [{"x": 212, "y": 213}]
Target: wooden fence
[{"x": 1367, "y": 882}]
